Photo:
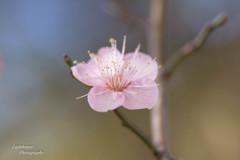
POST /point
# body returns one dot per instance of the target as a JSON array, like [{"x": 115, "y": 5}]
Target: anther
[
  {"x": 75, "y": 62},
  {"x": 111, "y": 40}
]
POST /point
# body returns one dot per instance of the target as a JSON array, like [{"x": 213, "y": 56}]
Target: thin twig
[
  {"x": 132, "y": 127},
  {"x": 193, "y": 45}
]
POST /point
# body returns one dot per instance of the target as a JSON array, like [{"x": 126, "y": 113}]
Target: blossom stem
[{"x": 128, "y": 124}]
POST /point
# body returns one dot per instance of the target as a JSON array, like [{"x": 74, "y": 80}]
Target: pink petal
[
  {"x": 146, "y": 66},
  {"x": 106, "y": 57},
  {"x": 141, "y": 94},
  {"x": 88, "y": 74},
  {"x": 106, "y": 51},
  {"x": 102, "y": 99}
]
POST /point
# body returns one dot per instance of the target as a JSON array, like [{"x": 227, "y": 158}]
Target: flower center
[{"x": 116, "y": 83}]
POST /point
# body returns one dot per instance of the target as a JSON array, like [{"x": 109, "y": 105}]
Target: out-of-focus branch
[
  {"x": 159, "y": 114},
  {"x": 155, "y": 47},
  {"x": 140, "y": 134},
  {"x": 125, "y": 15},
  {"x": 177, "y": 58}
]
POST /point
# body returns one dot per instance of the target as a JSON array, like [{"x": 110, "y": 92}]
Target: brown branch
[
  {"x": 132, "y": 127},
  {"x": 193, "y": 45},
  {"x": 125, "y": 15}
]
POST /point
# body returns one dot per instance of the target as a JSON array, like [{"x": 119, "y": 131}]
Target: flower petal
[
  {"x": 88, "y": 74},
  {"x": 140, "y": 94},
  {"x": 146, "y": 66},
  {"x": 109, "y": 57},
  {"x": 106, "y": 51},
  {"x": 102, "y": 99}
]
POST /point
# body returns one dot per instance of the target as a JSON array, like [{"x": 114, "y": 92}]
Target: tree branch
[
  {"x": 193, "y": 45},
  {"x": 155, "y": 47},
  {"x": 128, "y": 124}
]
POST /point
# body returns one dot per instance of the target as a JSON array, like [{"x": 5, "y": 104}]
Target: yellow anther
[
  {"x": 155, "y": 58},
  {"x": 107, "y": 47},
  {"x": 83, "y": 62},
  {"x": 148, "y": 63},
  {"x": 75, "y": 62},
  {"x": 137, "y": 93},
  {"x": 97, "y": 58},
  {"x": 89, "y": 51},
  {"x": 77, "y": 98},
  {"x": 160, "y": 66},
  {"x": 111, "y": 40},
  {"x": 139, "y": 55}
]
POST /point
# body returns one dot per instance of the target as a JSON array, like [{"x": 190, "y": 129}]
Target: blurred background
[{"x": 37, "y": 95}]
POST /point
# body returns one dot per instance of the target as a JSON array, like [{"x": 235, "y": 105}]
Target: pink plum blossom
[{"x": 118, "y": 79}]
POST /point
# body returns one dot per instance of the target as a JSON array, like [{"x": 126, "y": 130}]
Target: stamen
[
  {"x": 124, "y": 45},
  {"x": 134, "y": 93},
  {"x": 142, "y": 86},
  {"x": 136, "y": 51},
  {"x": 75, "y": 62},
  {"x": 77, "y": 98}
]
